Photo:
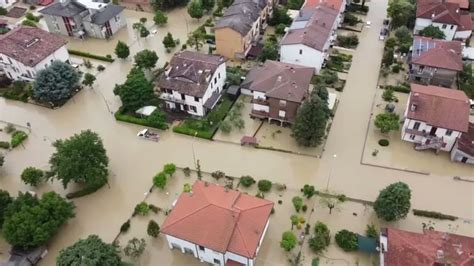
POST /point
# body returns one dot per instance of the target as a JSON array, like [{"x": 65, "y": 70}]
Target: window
[
  {"x": 412, "y": 137},
  {"x": 417, "y": 125},
  {"x": 196, "y": 99},
  {"x": 193, "y": 108},
  {"x": 444, "y": 26},
  {"x": 449, "y": 132},
  {"x": 216, "y": 261},
  {"x": 219, "y": 75},
  {"x": 282, "y": 103},
  {"x": 117, "y": 18},
  {"x": 281, "y": 114},
  {"x": 301, "y": 51},
  {"x": 9, "y": 60},
  {"x": 215, "y": 80},
  {"x": 452, "y": 26},
  {"x": 201, "y": 248},
  {"x": 183, "y": 97}
]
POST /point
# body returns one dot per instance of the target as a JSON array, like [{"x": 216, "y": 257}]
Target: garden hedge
[
  {"x": 18, "y": 137},
  {"x": 433, "y": 214},
  {"x": 93, "y": 56}
]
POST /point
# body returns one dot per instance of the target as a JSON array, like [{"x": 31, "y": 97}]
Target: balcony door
[{"x": 433, "y": 131}]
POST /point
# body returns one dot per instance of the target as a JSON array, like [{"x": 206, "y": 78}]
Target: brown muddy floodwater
[{"x": 133, "y": 161}]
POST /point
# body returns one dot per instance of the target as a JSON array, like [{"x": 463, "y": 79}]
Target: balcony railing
[
  {"x": 260, "y": 101},
  {"x": 170, "y": 98},
  {"x": 261, "y": 114}
]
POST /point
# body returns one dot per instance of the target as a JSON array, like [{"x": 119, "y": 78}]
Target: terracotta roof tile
[
  {"x": 437, "y": 53},
  {"x": 445, "y": 12},
  {"x": 466, "y": 141},
  {"x": 30, "y": 45},
  {"x": 440, "y": 107},
  {"x": 429, "y": 248},
  {"x": 462, "y": 3},
  {"x": 219, "y": 219},
  {"x": 280, "y": 80},
  {"x": 334, "y": 4}
]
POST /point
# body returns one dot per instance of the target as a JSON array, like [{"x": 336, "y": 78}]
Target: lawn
[{"x": 206, "y": 127}]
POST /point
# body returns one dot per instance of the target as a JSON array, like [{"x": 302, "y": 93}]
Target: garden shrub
[
  {"x": 187, "y": 171},
  {"x": 264, "y": 185},
  {"x": 247, "y": 181},
  {"x": 384, "y": 142},
  {"x": 349, "y": 41},
  {"x": 321, "y": 239},
  {"x": 4, "y": 144},
  {"x": 155, "y": 120},
  {"x": 125, "y": 226},
  {"x": 142, "y": 208},
  {"x": 18, "y": 137},
  {"x": 347, "y": 240},
  {"x": 218, "y": 174},
  {"x": 154, "y": 208},
  {"x": 433, "y": 214},
  {"x": 32, "y": 176},
  {"x": 86, "y": 191},
  {"x": 10, "y": 128},
  {"x": 153, "y": 229},
  {"x": 371, "y": 231},
  {"x": 304, "y": 208},
  {"x": 89, "y": 55},
  {"x": 396, "y": 69},
  {"x": 398, "y": 88}
]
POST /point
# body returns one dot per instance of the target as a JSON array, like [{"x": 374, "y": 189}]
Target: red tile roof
[
  {"x": 444, "y": 12},
  {"x": 334, "y": 4},
  {"x": 219, "y": 219},
  {"x": 408, "y": 248},
  {"x": 440, "y": 107},
  {"x": 466, "y": 141},
  {"x": 462, "y": 3},
  {"x": 437, "y": 53},
  {"x": 30, "y": 45}
]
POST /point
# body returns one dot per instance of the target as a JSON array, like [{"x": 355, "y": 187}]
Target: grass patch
[
  {"x": 206, "y": 127},
  {"x": 18, "y": 137},
  {"x": 107, "y": 58}
]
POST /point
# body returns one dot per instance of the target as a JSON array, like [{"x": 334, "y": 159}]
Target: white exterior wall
[
  {"x": 17, "y": 70},
  {"x": 190, "y": 100},
  {"x": 6, "y": 3},
  {"x": 246, "y": 92},
  {"x": 259, "y": 107},
  {"x": 422, "y": 23},
  {"x": 309, "y": 57},
  {"x": 457, "y": 155},
  {"x": 440, "y": 132},
  {"x": 462, "y": 35}
]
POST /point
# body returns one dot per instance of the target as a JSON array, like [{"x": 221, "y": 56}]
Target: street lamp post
[
  {"x": 334, "y": 156},
  {"x": 192, "y": 148}
]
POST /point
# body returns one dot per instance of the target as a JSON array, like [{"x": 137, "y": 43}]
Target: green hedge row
[
  {"x": 398, "y": 88},
  {"x": 18, "y": 137},
  {"x": 4, "y": 144},
  {"x": 93, "y": 56},
  {"x": 86, "y": 191},
  {"x": 139, "y": 121},
  {"x": 433, "y": 214},
  {"x": 184, "y": 129}
]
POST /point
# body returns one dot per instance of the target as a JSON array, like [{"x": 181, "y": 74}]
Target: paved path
[{"x": 133, "y": 162}]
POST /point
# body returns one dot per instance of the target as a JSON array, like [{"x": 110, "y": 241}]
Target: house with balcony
[
  {"x": 192, "y": 82},
  {"x": 7, "y": 3},
  {"x": 401, "y": 248},
  {"x": 435, "y": 117},
  {"x": 278, "y": 89},
  {"x": 217, "y": 225},
  {"x": 338, "y": 5},
  {"x": 26, "y": 50},
  {"x": 84, "y": 18},
  {"x": 435, "y": 62},
  {"x": 239, "y": 30},
  {"x": 455, "y": 23},
  {"x": 310, "y": 36},
  {"x": 463, "y": 150}
]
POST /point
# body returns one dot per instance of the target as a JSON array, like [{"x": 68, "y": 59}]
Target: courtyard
[{"x": 133, "y": 162}]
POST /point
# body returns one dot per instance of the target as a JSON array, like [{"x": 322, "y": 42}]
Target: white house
[
  {"x": 6, "y": 3},
  {"x": 26, "y": 50},
  {"x": 217, "y": 225},
  {"x": 309, "y": 37},
  {"x": 193, "y": 82},
  {"x": 455, "y": 23},
  {"x": 463, "y": 150},
  {"x": 435, "y": 117}
]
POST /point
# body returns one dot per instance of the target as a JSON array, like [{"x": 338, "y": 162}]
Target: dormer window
[{"x": 413, "y": 107}]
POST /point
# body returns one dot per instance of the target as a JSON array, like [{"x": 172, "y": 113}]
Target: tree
[
  {"x": 297, "y": 203},
  {"x": 390, "y": 43},
  {"x": 30, "y": 222},
  {"x": 55, "y": 83},
  {"x": 264, "y": 185},
  {"x": 29, "y": 23},
  {"x": 135, "y": 248},
  {"x": 5, "y": 200},
  {"x": 347, "y": 240},
  {"x": 387, "y": 122},
  {"x": 143, "y": 20},
  {"x": 466, "y": 81},
  {"x": 32, "y": 176},
  {"x": 168, "y": 41},
  {"x": 403, "y": 35},
  {"x": 280, "y": 16},
  {"x": 310, "y": 125},
  {"x": 157, "y": 119},
  {"x": 195, "y": 9},
  {"x": 308, "y": 191},
  {"x": 321, "y": 239},
  {"x": 388, "y": 95},
  {"x": 2, "y": 160},
  {"x": 351, "y": 19},
  {"x": 153, "y": 229},
  {"x": 196, "y": 40},
  {"x": 160, "y": 18},
  {"x": 269, "y": 50},
  {"x": 81, "y": 158},
  {"x": 294, "y": 4},
  {"x": 393, "y": 202},
  {"x": 136, "y": 91},
  {"x": 146, "y": 59},
  {"x": 142, "y": 209},
  {"x": 295, "y": 220},
  {"x": 371, "y": 231},
  {"x": 331, "y": 201},
  {"x": 433, "y": 32},
  {"x": 246, "y": 181},
  {"x": 208, "y": 5},
  {"x": 402, "y": 12},
  {"x": 159, "y": 180},
  {"x": 122, "y": 50},
  {"x": 387, "y": 59},
  {"x": 91, "y": 251},
  {"x": 288, "y": 241},
  {"x": 88, "y": 79},
  {"x": 169, "y": 169}
]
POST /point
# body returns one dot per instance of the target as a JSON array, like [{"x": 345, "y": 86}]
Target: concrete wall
[
  {"x": 7, "y": 3},
  {"x": 449, "y": 29},
  {"x": 309, "y": 57},
  {"x": 17, "y": 70}
]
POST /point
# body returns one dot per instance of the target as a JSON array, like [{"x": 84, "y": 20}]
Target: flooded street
[{"x": 133, "y": 161}]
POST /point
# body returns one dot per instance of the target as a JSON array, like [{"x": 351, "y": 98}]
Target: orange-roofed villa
[{"x": 218, "y": 225}]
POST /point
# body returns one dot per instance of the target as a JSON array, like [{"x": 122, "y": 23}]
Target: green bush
[
  {"x": 142, "y": 208},
  {"x": 154, "y": 208},
  {"x": 264, "y": 185},
  {"x": 32, "y": 176},
  {"x": 433, "y": 214},
  {"x": 125, "y": 226},
  {"x": 32, "y": 17},
  {"x": 86, "y": 191},
  {"x": 4, "y": 144},
  {"x": 347, "y": 240},
  {"x": 247, "y": 181},
  {"x": 3, "y": 11},
  {"x": 93, "y": 56},
  {"x": 153, "y": 229},
  {"x": 154, "y": 120},
  {"x": 349, "y": 41},
  {"x": 384, "y": 142},
  {"x": 321, "y": 239},
  {"x": 18, "y": 137},
  {"x": 398, "y": 88},
  {"x": 371, "y": 231},
  {"x": 396, "y": 69}
]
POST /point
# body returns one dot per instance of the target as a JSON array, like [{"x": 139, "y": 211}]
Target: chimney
[
  {"x": 206, "y": 184},
  {"x": 439, "y": 254},
  {"x": 279, "y": 78},
  {"x": 457, "y": 11},
  {"x": 324, "y": 24}
]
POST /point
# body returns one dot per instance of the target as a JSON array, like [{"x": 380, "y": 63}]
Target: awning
[
  {"x": 367, "y": 244},
  {"x": 146, "y": 110}
]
